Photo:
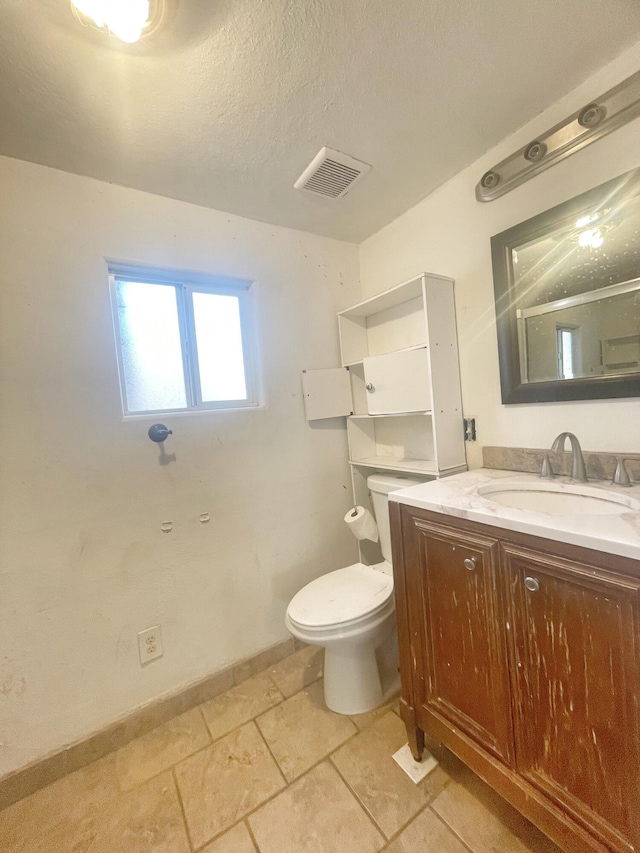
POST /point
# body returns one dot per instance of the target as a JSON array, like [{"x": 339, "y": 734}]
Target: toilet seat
[{"x": 345, "y": 598}]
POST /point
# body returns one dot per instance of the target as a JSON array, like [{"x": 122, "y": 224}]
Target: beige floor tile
[
  {"x": 363, "y": 721},
  {"x": 486, "y": 823},
  {"x": 222, "y": 783},
  {"x": 317, "y": 813},
  {"x": 66, "y": 801},
  {"x": 240, "y": 704},
  {"x": 147, "y": 820},
  {"x": 383, "y": 788},
  {"x": 298, "y": 670},
  {"x": 426, "y": 834},
  {"x": 302, "y": 731},
  {"x": 236, "y": 840},
  {"x": 161, "y": 748}
]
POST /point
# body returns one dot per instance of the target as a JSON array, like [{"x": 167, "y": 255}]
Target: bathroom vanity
[{"x": 519, "y": 635}]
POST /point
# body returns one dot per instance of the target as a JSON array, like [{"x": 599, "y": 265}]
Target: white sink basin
[{"x": 559, "y": 498}]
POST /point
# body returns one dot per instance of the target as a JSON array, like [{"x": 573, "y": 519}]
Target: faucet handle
[
  {"x": 546, "y": 469},
  {"x": 621, "y": 476}
]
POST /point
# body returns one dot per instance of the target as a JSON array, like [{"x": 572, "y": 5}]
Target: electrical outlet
[{"x": 150, "y": 644}]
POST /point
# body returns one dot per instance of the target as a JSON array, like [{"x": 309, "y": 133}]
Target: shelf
[
  {"x": 360, "y": 362},
  {"x": 402, "y": 343},
  {"x": 387, "y": 299},
  {"x": 394, "y": 296},
  {"x": 391, "y": 415},
  {"x": 393, "y": 463}
]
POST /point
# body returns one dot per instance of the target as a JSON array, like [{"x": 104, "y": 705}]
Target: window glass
[
  {"x": 219, "y": 347},
  {"x": 151, "y": 361},
  {"x": 185, "y": 341}
]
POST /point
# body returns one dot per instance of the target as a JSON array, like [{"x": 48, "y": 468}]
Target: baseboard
[{"x": 19, "y": 784}]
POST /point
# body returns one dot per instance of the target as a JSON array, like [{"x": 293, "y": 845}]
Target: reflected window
[
  {"x": 184, "y": 342},
  {"x": 566, "y": 337}
]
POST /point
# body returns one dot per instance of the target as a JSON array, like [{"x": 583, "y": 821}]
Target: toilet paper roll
[{"x": 362, "y": 524}]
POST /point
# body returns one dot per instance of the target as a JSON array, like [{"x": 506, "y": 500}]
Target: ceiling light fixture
[{"x": 128, "y": 20}]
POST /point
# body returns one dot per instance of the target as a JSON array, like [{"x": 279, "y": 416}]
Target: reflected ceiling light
[
  {"x": 128, "y": 20},
  {"x": 587, "y": 220},
  {"x": 590, "y": 237}
]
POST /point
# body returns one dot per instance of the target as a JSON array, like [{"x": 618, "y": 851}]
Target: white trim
[
  {"x": 581, "y": 299},
  {"x": 190, "y": 413}
]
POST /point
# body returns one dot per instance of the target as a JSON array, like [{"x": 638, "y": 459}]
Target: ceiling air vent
[{"x": 331, "y": 174}]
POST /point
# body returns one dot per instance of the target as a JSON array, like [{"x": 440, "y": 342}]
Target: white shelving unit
[{"x": 401, "y": 386}]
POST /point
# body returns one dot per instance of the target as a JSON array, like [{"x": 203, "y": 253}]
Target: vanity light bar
[{"x": 608, "y": 112}]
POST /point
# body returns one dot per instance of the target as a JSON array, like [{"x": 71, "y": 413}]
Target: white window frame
[
  {"x": 185, "y": 285},
  {"x": 571, "y": 333}
]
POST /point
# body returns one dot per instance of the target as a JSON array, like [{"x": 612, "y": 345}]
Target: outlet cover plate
[{"x": 150, "y": 644}]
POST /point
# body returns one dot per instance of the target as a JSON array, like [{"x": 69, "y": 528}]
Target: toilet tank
[{"x": 380, "y": 485}]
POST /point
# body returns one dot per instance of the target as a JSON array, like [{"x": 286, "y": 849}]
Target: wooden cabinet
[
  {"x": 522, "y": 656},
  {"x": 575, "y": 652},
  {"x": 466, "y": 678}
]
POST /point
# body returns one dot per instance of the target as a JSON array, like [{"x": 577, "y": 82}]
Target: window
[
  {"x": 185, "y": 342},
  {"x": 567, "y": 350}
]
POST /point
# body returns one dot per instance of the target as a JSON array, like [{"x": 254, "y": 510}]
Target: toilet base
[
  {"x": 351, "y": 679},
  {"x": 352, "y": 670}
]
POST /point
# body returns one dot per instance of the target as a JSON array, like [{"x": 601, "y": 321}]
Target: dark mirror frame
[{"x": 502, "y": 245}]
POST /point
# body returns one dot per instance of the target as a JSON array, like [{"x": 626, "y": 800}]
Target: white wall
[
  {"x": 83, "y": 562},
  {"x": 449, "y": 233}
]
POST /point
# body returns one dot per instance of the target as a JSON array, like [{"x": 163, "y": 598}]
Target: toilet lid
[{"x": 341, "y": 596}]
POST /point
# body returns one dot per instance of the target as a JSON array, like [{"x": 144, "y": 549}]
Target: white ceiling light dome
[{"x": 128, "y": 20}]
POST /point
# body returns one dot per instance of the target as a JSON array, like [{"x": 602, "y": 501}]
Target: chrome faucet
[{"x": 578, "y": 470}]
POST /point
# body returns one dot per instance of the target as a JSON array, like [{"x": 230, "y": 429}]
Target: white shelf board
[
  {"x": 387, "y": 299},
  {"x": 392, "y": 415},
  {"x": 394, "y": 463},
  {"x": 393, "y": 296},
  {"x": 360, "y": 362}
]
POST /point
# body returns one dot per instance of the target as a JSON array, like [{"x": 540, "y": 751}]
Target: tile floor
[{"x": 266, "y": 767}]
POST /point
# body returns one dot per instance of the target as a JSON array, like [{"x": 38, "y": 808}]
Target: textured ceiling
[{"x": 229, "y": 103}]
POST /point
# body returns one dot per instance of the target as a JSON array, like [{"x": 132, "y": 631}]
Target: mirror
[{"x": 567, "y": 290}]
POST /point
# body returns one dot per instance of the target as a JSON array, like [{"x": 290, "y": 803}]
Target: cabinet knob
[
  {"x": 531, "y": 584},
  {"x": 470, "y": 563},
  {"x": 369, "y": 386}
]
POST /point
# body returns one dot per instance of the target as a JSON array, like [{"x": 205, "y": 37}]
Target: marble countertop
[{"x": 458, "y": 496}]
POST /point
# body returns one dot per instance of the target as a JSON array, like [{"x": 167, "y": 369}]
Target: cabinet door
[
  {"x": 576, "y": 644},
  {"x": 326, "y": 393},
  {"x": 398, "y": 382},
  {"x": 464, "y": 643}
]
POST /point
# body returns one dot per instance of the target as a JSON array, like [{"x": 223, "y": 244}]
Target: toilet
[{"x": 351, "y": 612}]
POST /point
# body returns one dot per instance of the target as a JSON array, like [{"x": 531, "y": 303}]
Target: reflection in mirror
[
  {"x": 578, "y": 337},
  {"x": 567, "y": 288}
]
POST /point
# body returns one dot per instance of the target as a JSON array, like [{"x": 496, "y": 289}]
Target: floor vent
[{"x": 331, "y": 174}]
